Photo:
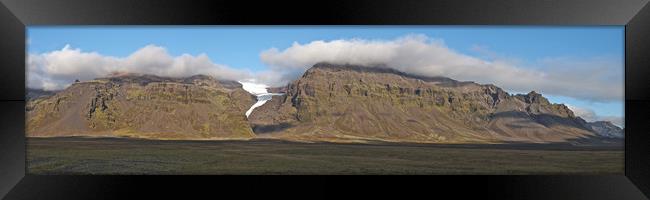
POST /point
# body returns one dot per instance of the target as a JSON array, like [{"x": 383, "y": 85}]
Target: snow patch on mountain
[{"x": 258, "y": 90}]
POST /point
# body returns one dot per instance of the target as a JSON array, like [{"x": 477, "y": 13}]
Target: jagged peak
[
  {"x": 605, "y": 123},
  {"x": 534, "y": 98}
]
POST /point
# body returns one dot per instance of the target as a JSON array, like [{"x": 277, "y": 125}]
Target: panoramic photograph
[{"x": 274, "y": 100}]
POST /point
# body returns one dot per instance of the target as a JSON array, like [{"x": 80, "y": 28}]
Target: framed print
[{"x": 546, "y": 97}]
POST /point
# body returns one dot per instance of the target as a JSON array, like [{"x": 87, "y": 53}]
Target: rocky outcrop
[
  {"x": 606, "y": 129},
  {"x": 145, "y": 106},
  {"x": 348, "y": 102}
]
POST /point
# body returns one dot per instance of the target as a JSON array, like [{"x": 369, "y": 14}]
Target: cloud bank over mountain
[
  {"x": 593, "y": 79},
  {"x": 57, "y": 69},
  {"x": 591, "y": 116},
  {"x": 598, "y": 79}
]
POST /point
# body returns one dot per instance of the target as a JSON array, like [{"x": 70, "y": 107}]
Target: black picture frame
[{"x": 15, "y": 15}]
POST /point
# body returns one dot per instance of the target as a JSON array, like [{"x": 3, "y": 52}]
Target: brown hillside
[
  {"x": 347, "y": 102},
  {"x": 197, "y": 107}
]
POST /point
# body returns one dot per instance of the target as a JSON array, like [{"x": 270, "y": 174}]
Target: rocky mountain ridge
[
  {"x": 350, "y": 102},
  {"x": 330, "y": 102}
]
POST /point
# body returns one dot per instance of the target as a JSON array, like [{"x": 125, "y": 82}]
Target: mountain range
[{"x": 329, "y": 102}]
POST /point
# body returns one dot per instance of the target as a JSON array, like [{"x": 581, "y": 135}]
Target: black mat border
[{"x": 16, "y": 14}]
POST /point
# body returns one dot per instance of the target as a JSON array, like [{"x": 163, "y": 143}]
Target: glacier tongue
[
  {"x": 254, "y": 88},
  {"x": 258, "y": 90},
  {"x": 261, "y": 99}
]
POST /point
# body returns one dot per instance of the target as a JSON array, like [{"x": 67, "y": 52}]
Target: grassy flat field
[{"x": 131, "y": 156}]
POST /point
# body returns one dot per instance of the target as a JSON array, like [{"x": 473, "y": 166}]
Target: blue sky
[
  {"x": 529, "y": 47},
  {"x": 240, "y": 46}
]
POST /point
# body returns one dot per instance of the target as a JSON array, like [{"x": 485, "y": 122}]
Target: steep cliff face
[
  {"x": 340, "y": 103},
  {"x": 197, "y": 107},
  {"x": 346, "y": 102}
]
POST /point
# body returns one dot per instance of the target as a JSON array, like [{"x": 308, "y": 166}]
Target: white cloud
[
  {"x": 58, "y": 69},
  {"x": 595, "y": 79},
  {"x": 591, "y": 116}
]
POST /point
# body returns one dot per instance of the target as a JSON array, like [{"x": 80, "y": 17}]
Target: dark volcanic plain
[{"x": 76, "y": 155}]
